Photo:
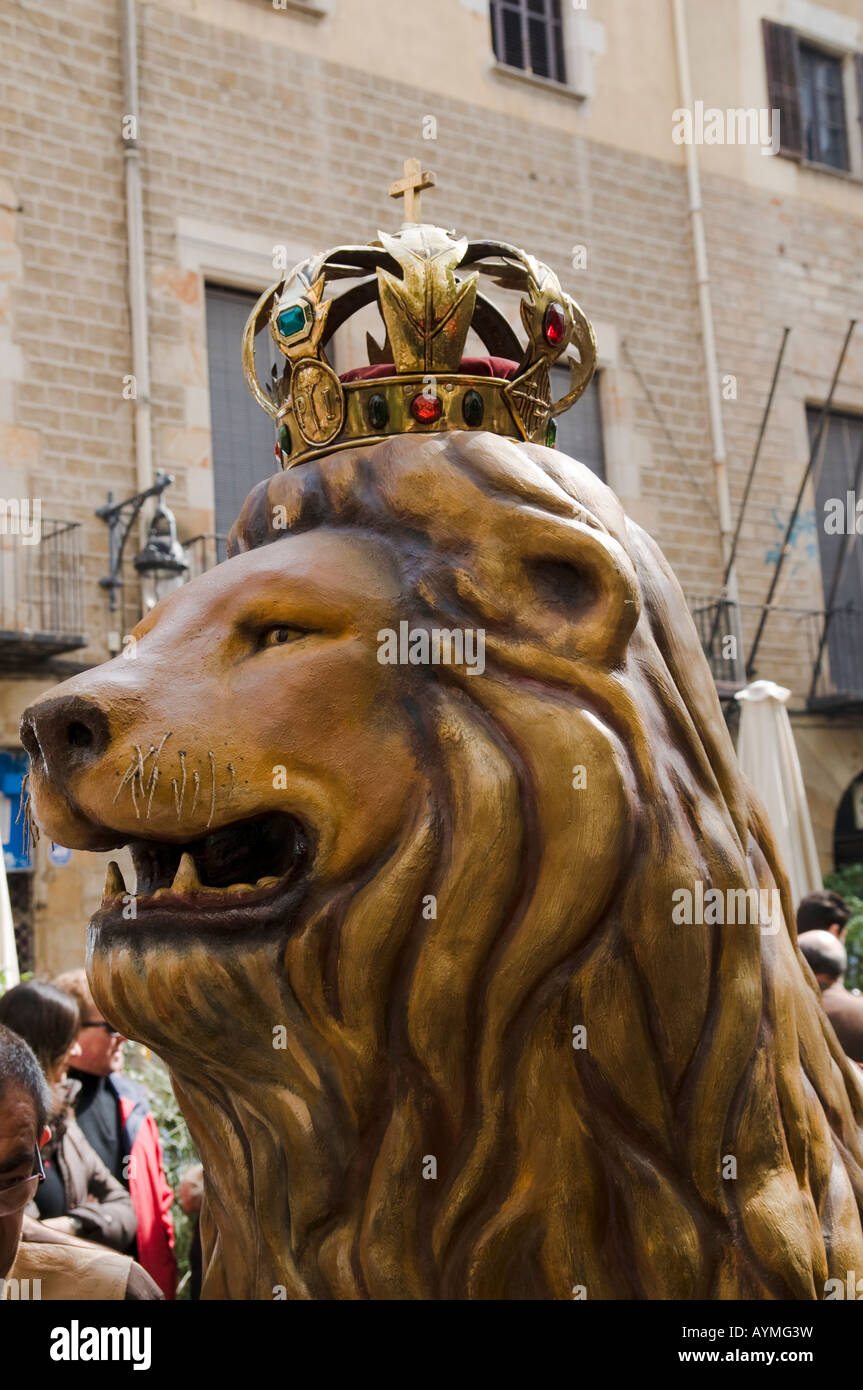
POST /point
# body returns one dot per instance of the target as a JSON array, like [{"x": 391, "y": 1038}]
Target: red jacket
[{"x": 148, "y": 1187}]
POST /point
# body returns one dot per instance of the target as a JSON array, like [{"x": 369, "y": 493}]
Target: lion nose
[{"x": 65, "y": 734}]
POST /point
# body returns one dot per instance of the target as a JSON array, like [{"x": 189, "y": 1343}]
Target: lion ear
[
  {"x": 564, "y": 581},
  {"x": 585, "y": 592}
]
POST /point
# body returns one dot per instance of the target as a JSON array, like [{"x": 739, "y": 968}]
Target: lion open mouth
[{"x": 246, "y": 862}]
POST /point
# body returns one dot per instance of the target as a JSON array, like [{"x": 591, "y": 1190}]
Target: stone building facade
[{"x": 281, "y": 123}]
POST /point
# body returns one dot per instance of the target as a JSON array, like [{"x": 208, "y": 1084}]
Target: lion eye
[{"x": 278, "y": 636}]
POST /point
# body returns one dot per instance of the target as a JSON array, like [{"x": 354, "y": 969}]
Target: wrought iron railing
[
  {"x": 714, "y": 620},
  {"x": 205, "y": 551},
  {"x": 837, "y": 671},
  {"x": 827, "y": 647},
  {"x": 42, "y": 591}
]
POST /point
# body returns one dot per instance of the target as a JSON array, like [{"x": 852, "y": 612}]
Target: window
[
  {"x": 806, "y": 84},
  {"x": 579, "y": 429},
  {"x": 839, "y": 544},
  {"x": 528, "y": 34},
  {"x": 243, "y": 436},
  {"x": 822, "y": 104}
]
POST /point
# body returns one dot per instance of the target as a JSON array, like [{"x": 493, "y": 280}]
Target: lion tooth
[
  {"x": 186, "y": 878},
  {"x": 240, "y": 888},
  {"x": 268, "y": 882},
  {"x": 115, "y": 884}
]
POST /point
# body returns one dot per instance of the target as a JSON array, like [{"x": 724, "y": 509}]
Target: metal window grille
[
  {"x": 822, "y": 100},
  {"x": 528, "y": 34}
]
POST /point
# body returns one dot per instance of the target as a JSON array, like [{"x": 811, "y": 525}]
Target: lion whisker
[
  {"x": 183, "y": 787},
  {"x": 129, "y": 773},
  {"x": 158, "y": 750},
  {"x": 233, "y": 782},
  {"x": 32, "y": 833},
  {"x": 25, "y": 809},
  {"x": 141, "y": 761},
  {"x": 197, "y": 781},
  {"x": 139, "y": 772},
  {"x": 24, "y": 798},
  {"x": 154, "y": 777},
  {"x": 211, "y": 755},
  {"x": 154, "y": 774}
]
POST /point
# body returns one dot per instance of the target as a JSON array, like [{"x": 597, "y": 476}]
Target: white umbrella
[
  {"x": 9, "y": 973},
  {"x": 768, "y": 757}
]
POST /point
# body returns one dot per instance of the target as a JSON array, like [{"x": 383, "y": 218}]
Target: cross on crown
[{"x": 410, "y": 187}]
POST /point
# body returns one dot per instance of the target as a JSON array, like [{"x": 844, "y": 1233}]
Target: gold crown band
[{"x": 376, "y": 408}]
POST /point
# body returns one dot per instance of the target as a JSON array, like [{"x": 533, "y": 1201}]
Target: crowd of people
[{"x": 85, "y": 1207}]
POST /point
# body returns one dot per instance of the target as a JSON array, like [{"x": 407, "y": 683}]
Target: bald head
[{"x": 825, "y": 954}]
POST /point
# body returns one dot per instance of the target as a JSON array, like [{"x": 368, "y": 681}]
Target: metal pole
[
  {"x": 837, "y": 574},
  {"x": 754, "y": 462},
  {"x": 744, "y": 500},
  {"x": 135, "y": 246},
  {"x": 813, "y": 453},
  {"x": 702, "y": 280}
]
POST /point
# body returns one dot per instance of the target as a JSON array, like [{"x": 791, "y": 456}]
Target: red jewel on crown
[
  {"x": 554, "y": 324},
  {"x": 426, "y": 408}
]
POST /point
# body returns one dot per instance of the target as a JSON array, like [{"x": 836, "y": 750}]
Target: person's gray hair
[{"x": 824, "y": 952}]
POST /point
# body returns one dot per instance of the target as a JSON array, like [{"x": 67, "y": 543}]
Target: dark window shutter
[{"x": 783, "y": 84}]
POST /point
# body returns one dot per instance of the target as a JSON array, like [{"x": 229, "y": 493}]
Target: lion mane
[{"x": 430, "y": 1130}]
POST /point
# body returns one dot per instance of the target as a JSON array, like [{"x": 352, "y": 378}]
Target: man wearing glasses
[
  {"x": 54, "y": 1266},
  {"x": 114, "y": 1113}
]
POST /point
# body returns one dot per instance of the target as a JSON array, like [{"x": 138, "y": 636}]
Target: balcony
[
  {"x": 828, "y": 646},
  {"x": 41, "y": 595}
]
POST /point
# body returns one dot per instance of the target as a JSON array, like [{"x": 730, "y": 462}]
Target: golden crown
[{"x": 425, "y": 282}]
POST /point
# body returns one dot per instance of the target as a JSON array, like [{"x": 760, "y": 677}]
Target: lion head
[{"x": 403, "y": 930}]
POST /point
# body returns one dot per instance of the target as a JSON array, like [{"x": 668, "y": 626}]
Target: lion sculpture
[{"x": 403, "y": 932}]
